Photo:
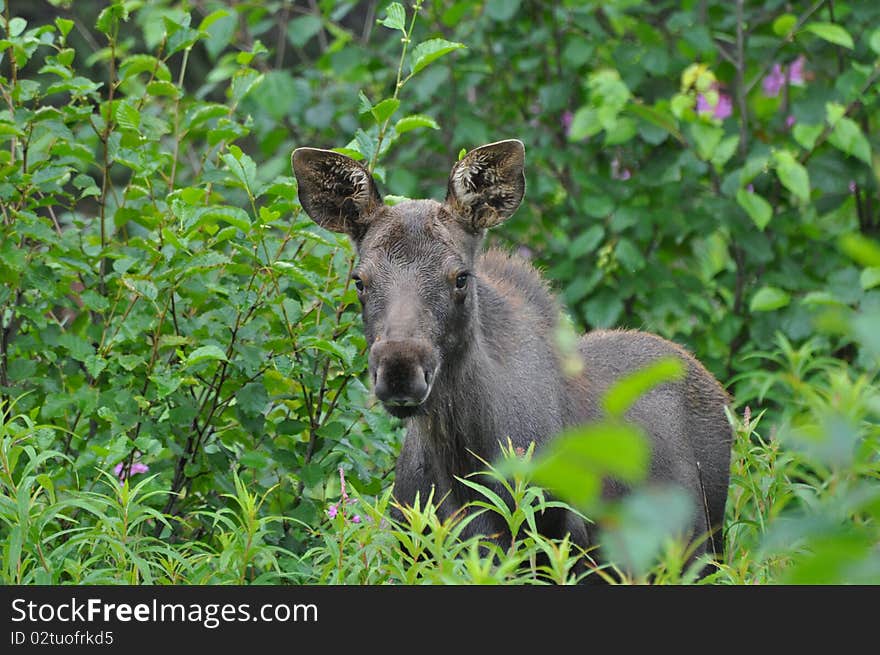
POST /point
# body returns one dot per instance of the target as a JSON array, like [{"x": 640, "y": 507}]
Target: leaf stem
[{"x": 398, "y": 85}]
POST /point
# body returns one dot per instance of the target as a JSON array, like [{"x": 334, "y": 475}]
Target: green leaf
[
  {"x": 140, "y": 63},
  {"x": 870, "y": 277},
  {"x": 621, "y": 131},
  {"x": 46, "y": 482},
  {"x": 706, "y": 138},
  {"x": 834, "y": 112},
  {"x": 603, "y": 309},
  {"x": 205, "y": 354},
  {"x": 383, "y": 111},
  {"x": 16, "y": 26},
  {"x": 110, "y": 16},
  {"x": 502, "y": 10},
  {"x": 769, "y": 298},
  {"x": 758, "y": 209},
  {"x": 629, "y": 255},
  {"x": 64, "y": 26},
  {"x": 628, "y": 389},
  {"x": 162, "y": 88},
  {"x": 863, "y": 250},
  {"x": 847, "y": 137},
  {"x": 430, "y": 51},
  {"x": 413, "y": 122},
  {"x": 588, "y": 241},
  {"x": 166, "y": 383},
  {"x": 806, "y": 135},
  {"x": 784, "y": 24},
  {"x": 235, "y": 216},
  {"x": 793, "y": 175},
  {"x": 395, "y": 17},
  {"x": 724, "y": 151},
  {"x": 832, "y": 33},
  {"x": 301, "y": 30},
  {"x": 212, "y": 18},
  {"x": 243, "y": 167},
  {"x": 366, "y": 105},
  {"x": 584, "y": 124},
  {"x": 127, "y": 116},
  {"x": 142, "y": 287},
  {"x": 643, "y": 524},
  {"x": 574, "y": 463},
  {"x": 874, "y": 41}
]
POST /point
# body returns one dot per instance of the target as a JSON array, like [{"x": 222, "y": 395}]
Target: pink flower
[
  {"x": 773, "y": 82},
  {"x": 123, "y": 472},
  {"x": 790, "y": 120},
  {"x": 333, "y": 510},
  {"x": 618, "y": 172},
  {"x": 722, "y": 109},
  {"x": 779, "y": 76},
  {"x": 356, "y": 519},
  {"x": 796, "y": 71},
  {"x": 565, "y": 120}
]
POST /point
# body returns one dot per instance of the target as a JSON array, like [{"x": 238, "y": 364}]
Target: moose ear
[
  {"x": 488, "y": 184},
  {"x": 335, "y": 191}
]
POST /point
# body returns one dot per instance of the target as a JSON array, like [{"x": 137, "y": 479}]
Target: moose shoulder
[{"x": 462, "y": 343}]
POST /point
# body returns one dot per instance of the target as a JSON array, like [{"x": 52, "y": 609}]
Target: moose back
[{"x": 462, "y": 344}]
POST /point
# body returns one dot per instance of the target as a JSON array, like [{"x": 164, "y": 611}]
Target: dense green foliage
[{"x": 181, "y": 360}]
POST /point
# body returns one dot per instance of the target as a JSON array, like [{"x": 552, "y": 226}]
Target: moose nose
[{"x": 402, "y": 372}]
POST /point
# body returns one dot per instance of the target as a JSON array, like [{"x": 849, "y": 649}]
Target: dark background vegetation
[{"x": 180, "y": 348}]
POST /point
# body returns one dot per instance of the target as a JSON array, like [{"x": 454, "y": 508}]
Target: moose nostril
[{"x": 428, "y": 376}]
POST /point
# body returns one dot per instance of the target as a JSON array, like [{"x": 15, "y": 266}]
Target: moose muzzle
[{"x": 403, "y": 372}]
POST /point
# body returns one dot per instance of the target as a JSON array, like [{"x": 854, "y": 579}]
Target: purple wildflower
[
  {"x": 790, "y": 120},
  {"x": 773, "y": 81},
  {"x": 722, "y": 108},
  {"x": 618, "y": 172},
  {"x": 356, "y": 518},
  {"x": 853, "y": 187},
  {"x": 703, "y": 106},
  {"x": 333, "y": 510},
  {"x": 796, "y": 72},
  {"x": 123, "y": 471},
  {"x": 566, "y": 119},
  {"x": 779, "y": 76}
]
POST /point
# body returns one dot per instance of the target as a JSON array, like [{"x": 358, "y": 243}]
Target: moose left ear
[{"x": 487, "y": 185}]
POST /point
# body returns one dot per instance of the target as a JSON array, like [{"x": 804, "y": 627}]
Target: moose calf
[{"x": 462, "y": 344}]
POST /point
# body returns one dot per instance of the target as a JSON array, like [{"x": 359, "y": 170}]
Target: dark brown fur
[{"x": 464, "y": 346}]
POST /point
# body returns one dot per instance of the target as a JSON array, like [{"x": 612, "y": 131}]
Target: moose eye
[
  {"x": 358, "y": 283},
  {"x": 462, "y": 280}
]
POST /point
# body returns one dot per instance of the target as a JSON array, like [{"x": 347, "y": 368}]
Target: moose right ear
[{"x": 334, "y": 190}]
